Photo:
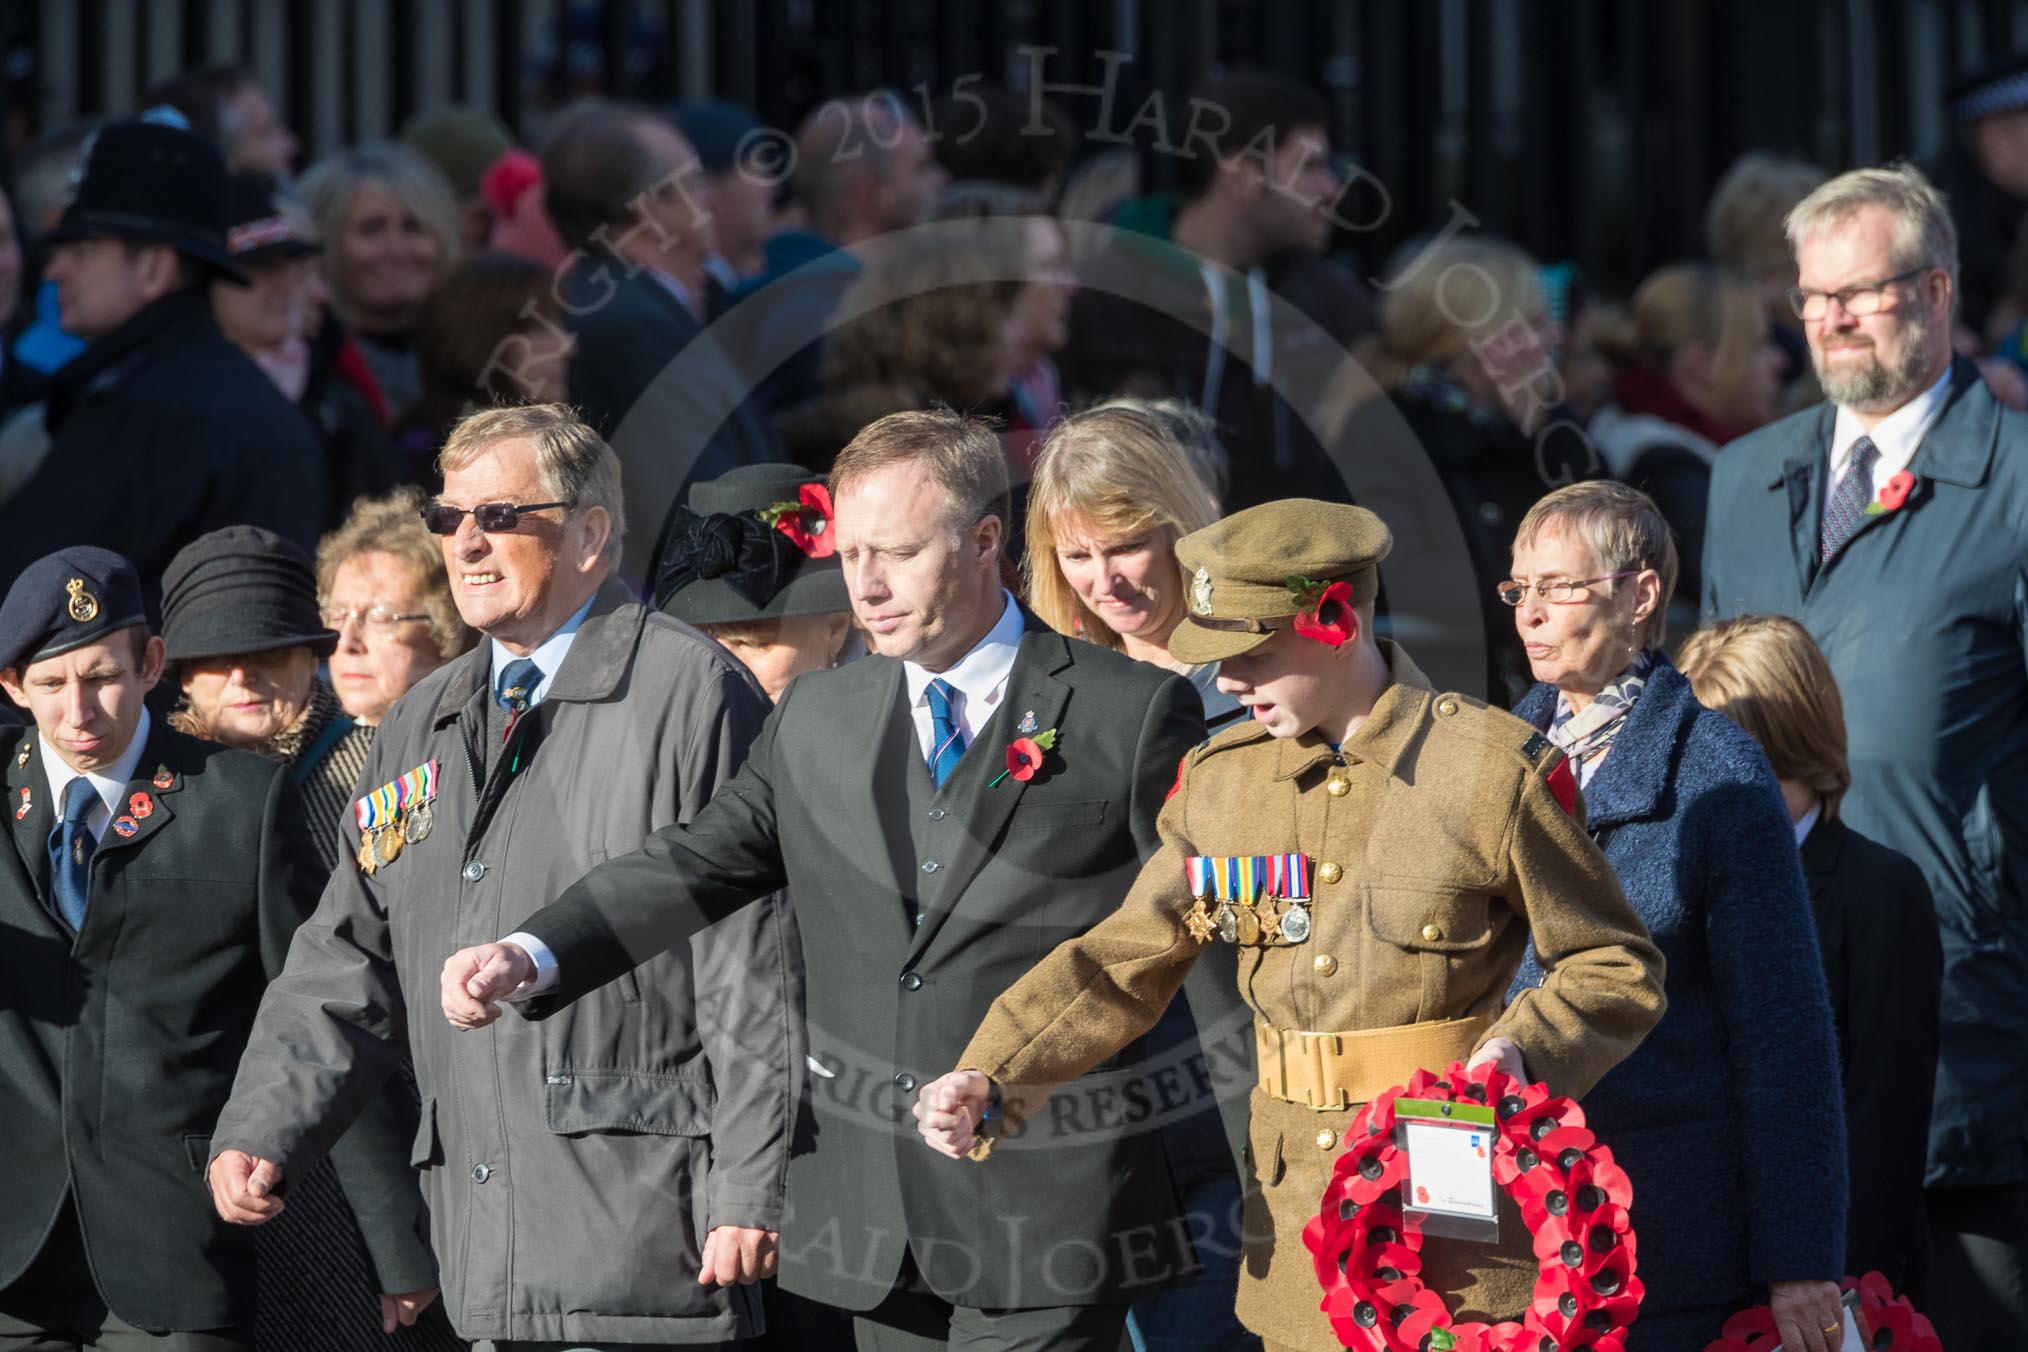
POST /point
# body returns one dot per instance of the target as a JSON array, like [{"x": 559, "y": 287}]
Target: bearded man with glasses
[
  {"x": 659, "y": 1110},
  {"x": 1893, "y": 523}
]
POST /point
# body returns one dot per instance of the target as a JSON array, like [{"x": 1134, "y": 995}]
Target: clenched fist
[
  {"x": 477, "y": 979},
  {"x": 949, "y": 1110},
  {"x": 242, "y": 1188}
]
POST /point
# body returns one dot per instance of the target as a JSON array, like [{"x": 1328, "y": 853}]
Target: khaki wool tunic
[{"x": 1437, "y": 849}]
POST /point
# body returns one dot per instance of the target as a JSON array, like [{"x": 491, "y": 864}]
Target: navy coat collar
[{"x": 1635, "y": 779}]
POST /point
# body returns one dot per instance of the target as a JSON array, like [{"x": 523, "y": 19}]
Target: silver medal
[
  {"x": 415, "y": 826},
  {"x": 1296, "y": 924},
  {"x": 1228, "y": 923}
]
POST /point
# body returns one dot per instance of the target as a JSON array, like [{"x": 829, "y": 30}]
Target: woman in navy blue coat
[{"x": 1728, "y": 1118}]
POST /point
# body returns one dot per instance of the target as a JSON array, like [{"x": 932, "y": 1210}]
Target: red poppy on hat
[
  {"x": 1327, "y": 614},
  {"x": 806, "y": 521}
]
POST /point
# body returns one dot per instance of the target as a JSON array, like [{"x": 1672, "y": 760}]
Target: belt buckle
[{"x": 1321, "y": 1081}]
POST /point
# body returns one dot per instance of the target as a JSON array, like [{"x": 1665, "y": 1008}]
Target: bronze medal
[
  {"x": 1249, "y": 926},
  {"x": 416, "y": 823},
  {"x": 1198, "y": 922},
  {"x": 367, "y": 861},
  {"x": 387, "y": 844},
  {"x": 1296, "y": 924}
]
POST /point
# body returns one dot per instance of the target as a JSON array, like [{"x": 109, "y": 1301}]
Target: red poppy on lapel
[
  {"x": 1897, "y": 491},
  {"x": 142, "y": 806},
  {"x": 27, "y": 804},
  {"x": 126, "y": 826},
  {"x": 1024, "y": 757}
]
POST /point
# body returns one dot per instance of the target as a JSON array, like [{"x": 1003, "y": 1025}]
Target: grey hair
[
  {"x": 1923, "y": 233},
  {"x": 577, "y": 466},
  {"x": 1619, "y": 526}
]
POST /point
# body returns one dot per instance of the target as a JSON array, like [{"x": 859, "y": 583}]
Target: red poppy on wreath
[
  {"x": 806, "y": 521},
  {"x": 1888, "y": 1322},
  {"x": 1326, "y": 613},
  {"x": 1893, "y": 495},
  {"x": 1575, "y": 1199},
  {"x": 1024, "y": 757}
]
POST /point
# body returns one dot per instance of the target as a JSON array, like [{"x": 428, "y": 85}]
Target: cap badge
[
  {"x": 1200, "y": 591},
  {"x": 84, "y": 607}
]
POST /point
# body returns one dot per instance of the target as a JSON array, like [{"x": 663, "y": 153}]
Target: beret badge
[{"x": 83, "y": 606}]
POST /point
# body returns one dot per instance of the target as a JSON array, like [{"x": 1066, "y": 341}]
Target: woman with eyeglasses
[
  {"x": 1728, "y": 1118},
  {"x": 241, "y": 622},
  {"x": 386, "y": 596}
]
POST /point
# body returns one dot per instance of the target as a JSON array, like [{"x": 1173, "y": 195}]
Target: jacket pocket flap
[
  {"x": 1428, "y": 918},
  {"x": 617, "y": 1100},
  {"x": 1078, "y": 812},
  {"x": 198, "y": 1150}
]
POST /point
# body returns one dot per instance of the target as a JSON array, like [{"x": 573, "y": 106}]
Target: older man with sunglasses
[
  {"x": 614, "y": 1177},
  {"x": 1893, "y": 523}
]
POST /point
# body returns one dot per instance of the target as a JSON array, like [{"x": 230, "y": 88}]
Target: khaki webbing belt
[{"x": 1337, "y": 1070}]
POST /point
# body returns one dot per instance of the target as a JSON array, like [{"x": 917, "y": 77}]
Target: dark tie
[
  {"x": 517, "y": 688},
  {"x": 1849, "y": 500},
  {"x": 70, "y": 851},
  {"x": 947, "y": 740}
]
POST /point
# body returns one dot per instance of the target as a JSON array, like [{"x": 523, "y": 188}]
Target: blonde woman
[
  {"x": 390, "y": 231},
  {"x": 1112, "y": 494}
]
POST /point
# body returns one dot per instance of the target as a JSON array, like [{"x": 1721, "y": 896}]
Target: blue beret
[
  {"x": 66, "y": 600},
  {"x": 1999, "y": 87}
]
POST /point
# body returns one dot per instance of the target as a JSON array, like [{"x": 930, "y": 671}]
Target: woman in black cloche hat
[
  {"x": 245, "y": 635},
  {"x": 751, "y": 562}
]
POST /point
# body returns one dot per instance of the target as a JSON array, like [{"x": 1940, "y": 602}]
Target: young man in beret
[
  {"x": 148, "y": 892},
  {"x": 1422, "y": 839}
]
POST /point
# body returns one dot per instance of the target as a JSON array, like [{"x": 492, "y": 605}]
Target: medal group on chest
[
  {"x": 396, "y": 815},
  {"x": 1259, "y": 899}
]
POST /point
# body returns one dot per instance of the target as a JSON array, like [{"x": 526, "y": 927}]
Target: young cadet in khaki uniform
[{"x": 1411, "y": 843}]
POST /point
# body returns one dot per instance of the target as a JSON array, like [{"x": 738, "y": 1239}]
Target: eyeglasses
[
  {"x": 1558, "y": 591},
  {"x": 376, "y": 616},
  {"x": 1857, "y": 301},
  {"x": 495, "y": 518}
]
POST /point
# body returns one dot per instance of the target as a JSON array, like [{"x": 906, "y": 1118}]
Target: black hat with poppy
[
  {"x": 754, "y": 544},
  {"x": 152, "y": 184}
]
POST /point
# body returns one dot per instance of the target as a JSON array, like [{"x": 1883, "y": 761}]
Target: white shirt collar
[
  {"x": 111, "y": 782},
  {"x": 1895, "y": 436},
  {"x": 548, "y": 655},
  {"x": 1807, "y": 821},
  {"x": 981, "y": 674}
]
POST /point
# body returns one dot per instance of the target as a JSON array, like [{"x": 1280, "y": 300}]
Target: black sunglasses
[{"x": 492, "y": 517}]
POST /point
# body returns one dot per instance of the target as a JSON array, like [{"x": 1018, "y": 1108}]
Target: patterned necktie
[
  {"x": 1849, "y": 499},
  {"x": 946, "y": 738},
  {"x": 70, "y": 851},
  {"x": 517, "y": 688}
]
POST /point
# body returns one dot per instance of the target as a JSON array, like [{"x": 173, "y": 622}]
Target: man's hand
[
  {"x": 242, "y": 1188},
  {"x": 1807, "y": 1315},
  {"x": 737, "y": 1255},
  {"x": 1503, "y": 1054},
  {"x": 398, "y": 1310},
  {"x": 477, "y": 979},
  {"x": 949, "y": 1110}
]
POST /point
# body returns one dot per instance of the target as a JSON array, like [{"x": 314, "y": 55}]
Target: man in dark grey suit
[
  {"x": 928, "y": 877},
  {"x": 627, "y": 195}
]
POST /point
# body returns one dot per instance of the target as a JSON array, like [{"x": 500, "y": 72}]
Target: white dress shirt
[
  {"x": 979, "y": 677},
  {"x": 110, "y": 782},
  {"x": 1895, "y": 436},
  {"x": 1807, "y": 821}
]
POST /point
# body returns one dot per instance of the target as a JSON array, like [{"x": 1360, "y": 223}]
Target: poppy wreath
[
  {"x": 1894, "y": 1324},
  {"x": 1574, "y": 1199}
]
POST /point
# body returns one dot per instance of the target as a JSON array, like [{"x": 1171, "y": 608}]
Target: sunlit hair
[
  {"x": 392, "y": 525},
  {"x": 960, "y": 453},
  {"x": 1689, "y": 303},
  {"x": 576, "y": 465},
  {"x": 1923, "y": 233},
  {"x": 1114, "y": 474},
  {"x": 1765, "y": 673},
  {"x": 1449, "y": 296},
  {"x": 330, "y": 186},
  {"x": 1743, "y": 224},
  {"x": 1622, "y": 530}
]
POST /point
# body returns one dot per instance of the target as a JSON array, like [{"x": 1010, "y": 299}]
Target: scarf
[{"x": 1583, "y": 737}]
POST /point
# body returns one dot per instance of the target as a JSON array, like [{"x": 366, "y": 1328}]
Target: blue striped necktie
[
  {"x": 1849, "y": 499},
  {"x": 70, "y": 851},
  {"x": 947, "y": 740}
]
